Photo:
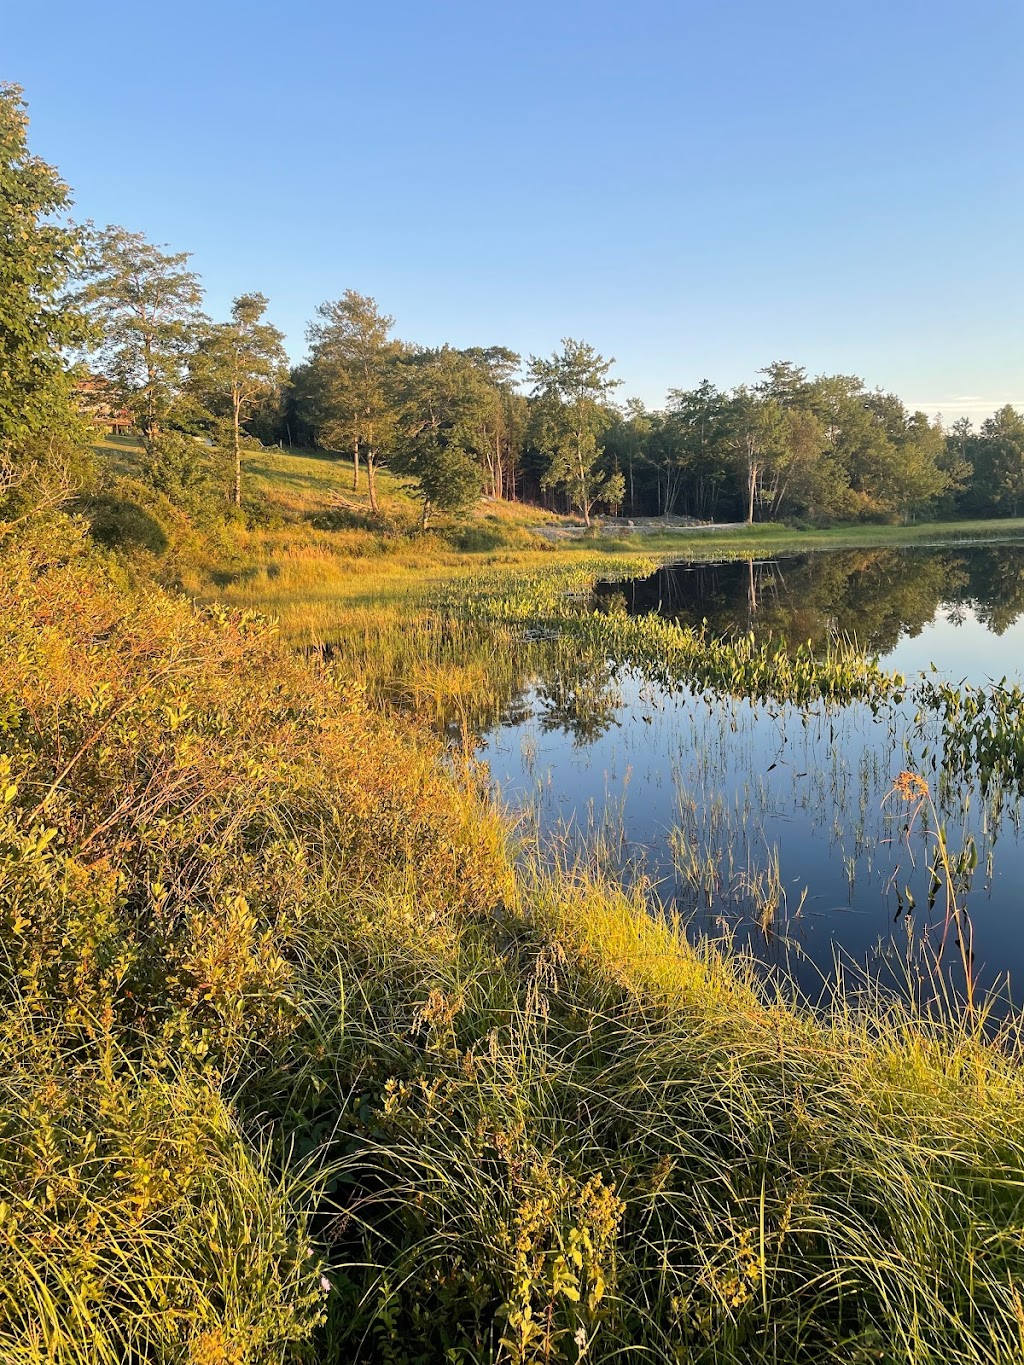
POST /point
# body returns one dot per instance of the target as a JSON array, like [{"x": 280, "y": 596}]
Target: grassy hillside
[
  {"x": 304, "y": 1059},
  {"x": 309, "y": 552}
]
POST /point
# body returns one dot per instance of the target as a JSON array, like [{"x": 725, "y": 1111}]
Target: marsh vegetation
[{"x": 752, "y": 721}]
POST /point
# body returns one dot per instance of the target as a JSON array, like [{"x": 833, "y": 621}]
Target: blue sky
[{"x": 697, "y": 188}]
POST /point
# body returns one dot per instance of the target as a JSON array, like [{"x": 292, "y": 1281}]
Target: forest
[{"x": 461, "y": 423}]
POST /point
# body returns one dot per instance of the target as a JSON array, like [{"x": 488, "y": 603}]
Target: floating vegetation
[
  {"x": 672, "y": 655},
  {"x": 982, "y": 730},
  {"x": 760, "y": 763}
]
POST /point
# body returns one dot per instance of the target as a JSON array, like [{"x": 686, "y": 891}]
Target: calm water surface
[{"x": 773, "y": 827}]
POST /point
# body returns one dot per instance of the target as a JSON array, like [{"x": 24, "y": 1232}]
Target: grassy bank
[
  {"x": 300, "y": 1063},
  {"x": 764, "y": 538}
]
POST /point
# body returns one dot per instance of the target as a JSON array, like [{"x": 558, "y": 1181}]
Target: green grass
[
  {"x": 321, "y": 551},
  {"x": 307, "y": 483},
  {"x": 765, "y": 538},
  {"x": 306, "y": 1059}
]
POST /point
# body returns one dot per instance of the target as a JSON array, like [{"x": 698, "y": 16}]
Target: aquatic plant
[
  {"x": 947, "y": 873},
  {"x": 675, "y": 656},
  {"x": 982, "y": 730}
]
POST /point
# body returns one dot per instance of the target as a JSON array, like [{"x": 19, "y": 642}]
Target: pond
[{"x": 775, "y": 827}]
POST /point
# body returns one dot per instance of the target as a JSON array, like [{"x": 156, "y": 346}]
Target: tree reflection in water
[{"x": 874, "y": 596}]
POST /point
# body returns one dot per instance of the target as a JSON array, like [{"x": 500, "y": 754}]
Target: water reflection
[
  {"x": 877, "y": 597},
  {"x": 580, "y": 699},
  {"x": 773, "y": 826}
]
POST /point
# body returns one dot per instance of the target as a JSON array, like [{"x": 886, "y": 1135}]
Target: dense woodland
[{"x": 484, "y": 420}]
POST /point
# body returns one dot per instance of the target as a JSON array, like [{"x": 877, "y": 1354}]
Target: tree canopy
[
  {"x": 146, "y": 303},
  {"x": 236, "y": 364},
  {"x": 348, "y": 382},
  {"x": 572, "y": 393},
  {"x": 39, "y": 324}
]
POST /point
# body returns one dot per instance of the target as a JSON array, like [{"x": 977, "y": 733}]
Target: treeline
[
  {"x": 481, "y": 420},
  {"x": 455, "y": 422},
  {"x": 787, "y": 447}
]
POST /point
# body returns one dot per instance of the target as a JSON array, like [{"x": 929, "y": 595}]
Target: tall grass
[{"x": 304, "y": 1059}]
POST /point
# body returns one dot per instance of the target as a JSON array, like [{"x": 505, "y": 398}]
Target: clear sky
[{"x": 696, "y": 188}]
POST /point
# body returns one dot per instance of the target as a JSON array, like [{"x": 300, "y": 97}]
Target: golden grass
[{"x": 280, "y": 1005}]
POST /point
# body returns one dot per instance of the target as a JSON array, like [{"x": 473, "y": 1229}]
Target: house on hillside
[{"x": 98, "y": 401}]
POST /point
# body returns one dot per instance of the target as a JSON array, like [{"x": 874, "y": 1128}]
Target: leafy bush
[
  {"x": 490, "y": 533},
  {"x": 129, "y": 516}
]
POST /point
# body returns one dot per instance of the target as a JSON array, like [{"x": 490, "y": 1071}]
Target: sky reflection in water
[{"x": 706, "y": 796}]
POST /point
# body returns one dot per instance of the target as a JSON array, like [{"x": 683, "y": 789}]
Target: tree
[
  {"x": 860, "y": 428},
  {"x": 693, "y": 449},
  {"x": 572, "y": 408},
  {"x": 298, "y": 417},
  {"x": 800, "y": 479},
  {"x": 628, "y": 440},
  {"x": 442, "y": 399},
  {"x": 38, "y": 321},
  {"x": 348, "y": 380},
  {"x": 237, "y": 364},
  {"x": 785, "y": 382},
  {"x": 757, "y": 438},
  {"x": 998, "y": 460},
  {"x": 503, "y": 418},
  {"x": 924, "y": 473},
  {"x": 147, "y": 305},
  {"x": 956, "y": 463}
]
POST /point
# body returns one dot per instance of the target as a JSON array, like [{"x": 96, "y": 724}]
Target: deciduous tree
[
  {"x": 503, "y": 417},
  {"x": 572, "y": 393},
  {"x": 694, "y": 449},
  {"x": 146, "y": 303},
  {"x": 756, "y": 428},
  {"x": 348, "y": 380},
  {"x": 442, "y": 399},
  {"x": 998, "y": 460}
]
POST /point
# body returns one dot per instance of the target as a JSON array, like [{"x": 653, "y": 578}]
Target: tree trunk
[
  {"x": 751, "y": 482},
  {"x": 236, "y": 437},
  {"x": 371, "y": 479},
  {"x": 149, "y": 428},
  {"x": 584, "y": 500}
]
